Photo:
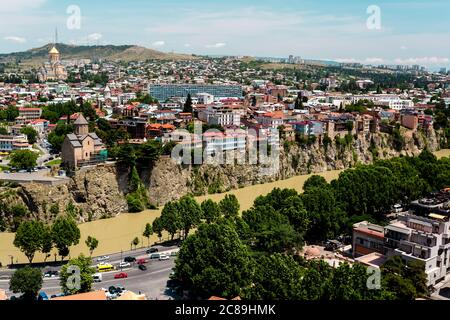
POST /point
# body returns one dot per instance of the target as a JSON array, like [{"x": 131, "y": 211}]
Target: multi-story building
[
  {"x": 367, "y": 238},
  {"x": 30, "y": 113},
  {"x": 14, "y": 142},
  {"x": 163, "y": 92},
  {"x": 421, "y": 234},
  {"x": 218, "y": 142},
  {"x": 221, "y": 115},
  {"x": 395, "y": 104}
]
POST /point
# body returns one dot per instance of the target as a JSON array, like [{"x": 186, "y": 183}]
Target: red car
[
  {"x": 121, "y": 275},
  {"x": 141, "y": 261}
]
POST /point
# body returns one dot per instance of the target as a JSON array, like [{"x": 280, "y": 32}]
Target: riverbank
[{"x": 116, "y": 234}]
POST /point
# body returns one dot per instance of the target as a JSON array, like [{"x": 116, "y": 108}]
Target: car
[
  {"x": 51, "y": 274},
  {"x": 155, "y": 256},
  {"x": 22, "y": 171},
  {"x": 121, "y": 275},
  {"x": 43, "y": 296},
  {"x": 98, "y": 277},
  {"x": 124, "y": 264},
  {"x": 152, "y": 250},
  {"x": 104, "y": 258},
  {"x": 142, "y": 267},
  {"x": 141, "y": 261},
  {"x": 333, "y": 245},
  {"x": 164, "y": 257},
  {"x": 7, "y": 172},
  {"x": 130, "y": 259}
]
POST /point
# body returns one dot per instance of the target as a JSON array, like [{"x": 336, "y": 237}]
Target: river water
[{"x": 116, "y": 234}]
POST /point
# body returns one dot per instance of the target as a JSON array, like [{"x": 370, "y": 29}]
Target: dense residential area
[{"x": 93, "y": 140}]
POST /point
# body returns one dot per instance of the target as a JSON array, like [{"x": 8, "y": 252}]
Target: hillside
[{"x": 125, "y": 53}]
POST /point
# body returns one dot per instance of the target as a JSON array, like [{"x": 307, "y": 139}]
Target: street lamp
[
  {"x": 121, "y": 252},
  {"x": 12, "y": 260}
]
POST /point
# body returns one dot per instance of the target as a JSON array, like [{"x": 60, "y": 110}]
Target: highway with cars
[{"x": 151, "y": 282}]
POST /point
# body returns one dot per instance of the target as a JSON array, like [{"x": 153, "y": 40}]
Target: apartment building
[
  {"x": 368, "y": 238},
  {"x": 14, "y": 142},
  {"x": 221, "y": 115},
  {"x": 218, "y": 142},
  {"x": 30, "y": 113},
  {"x": 395, "y": 104},
  {"x": 421, "y": 234}
]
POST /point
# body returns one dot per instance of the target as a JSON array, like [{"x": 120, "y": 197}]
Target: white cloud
[
  {"x": 94, "y": 37},
  {"x": 373, "y": 60},
  {"x": 187, "y": 45},
  {"x": 216, "y": 45},
  {"x": 345, "y": 60},
  {"x": 158, "y": 44},
  {"x": 19, "y": 5},
  {"x": 423, "y": 60},
  {"x": 404, "y": 48},
  {"x": 15, "y": 39}
]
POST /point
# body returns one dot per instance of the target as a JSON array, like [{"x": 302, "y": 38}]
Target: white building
[
  {"x": 424, "y": 239},
  {"x": 395, "y": 104}
]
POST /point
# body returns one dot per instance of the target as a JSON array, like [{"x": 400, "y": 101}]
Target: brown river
[{"x": 117, "y": 233}]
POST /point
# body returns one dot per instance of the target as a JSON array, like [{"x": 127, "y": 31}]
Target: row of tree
[{"x": 253, "y": 255}]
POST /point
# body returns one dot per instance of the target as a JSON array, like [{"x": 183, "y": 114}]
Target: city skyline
[{"x": 410, "y": 32}]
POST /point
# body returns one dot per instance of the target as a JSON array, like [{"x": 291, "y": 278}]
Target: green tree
[
  {"x": 230, "y": 206},
  {"x": 65, "y": 233},
  {"x": 126, "y": 157},
  {"x": 135, "y": 242},
  {"x": 190, "y": 214},
  {"x": 3, "y": 131},
  {"x": 277, "y": 277},
  {"x": 158, "y": 227},
  {"x": 148, "y": 231},
  {"x": 315, "y": 182},
  {"x": 29, "y": 238},
  {"x": 270, "y": 231},
  {"x": 326, "y": 219},
  {"x": 92, "y": 244},
  {"x": 214, "y": 261},
  {"x": 210, "y": 210},
  {"x": 47, "y": 242},
  {"x": 31, "y": 134},
  {"x": 23, "y": 159},
  {"x": 77, "y": 276},
  {"x": 188, "y": 106},
  {"x": 171, "y": 219},
  {"x": 27, "y": 281}
]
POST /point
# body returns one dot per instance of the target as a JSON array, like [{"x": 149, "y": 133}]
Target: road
[{"x": 152, "y": 282}]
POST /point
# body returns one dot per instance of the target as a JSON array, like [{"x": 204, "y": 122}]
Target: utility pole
[{"x": 121, "y": 252}]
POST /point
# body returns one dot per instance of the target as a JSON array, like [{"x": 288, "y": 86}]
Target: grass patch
[{"x": 54, "y": 163}]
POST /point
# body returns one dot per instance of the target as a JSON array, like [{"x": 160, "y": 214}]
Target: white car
[
  {"x": 104, "y": 258},
  {"x": 164, "y": 257},
  {"x": 124, "y": 265}
]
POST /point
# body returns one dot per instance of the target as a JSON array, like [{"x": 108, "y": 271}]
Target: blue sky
[{"x": 412, "y": 32}]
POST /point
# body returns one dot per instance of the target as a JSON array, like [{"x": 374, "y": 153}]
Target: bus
[{"x": 105, "y": 267}]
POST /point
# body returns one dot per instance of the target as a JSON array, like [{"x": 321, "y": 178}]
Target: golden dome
[{"x": 54, "y": 51}]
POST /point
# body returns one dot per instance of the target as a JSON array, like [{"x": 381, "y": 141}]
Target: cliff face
[
  {"x": 95, "y": 193},
  {"x": 100, "y": 192},
  {"x": 169, "y": 181}
]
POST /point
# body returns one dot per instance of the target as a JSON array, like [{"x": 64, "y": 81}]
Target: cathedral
[{"x": 53, "y": 70}]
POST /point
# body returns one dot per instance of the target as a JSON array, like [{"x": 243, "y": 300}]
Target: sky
[{"x": 371, "y": 32}]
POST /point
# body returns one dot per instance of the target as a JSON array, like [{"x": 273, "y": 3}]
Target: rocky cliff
[
  {"x": 169, "y": 181},
  {"x": 99, "y": 192}
]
